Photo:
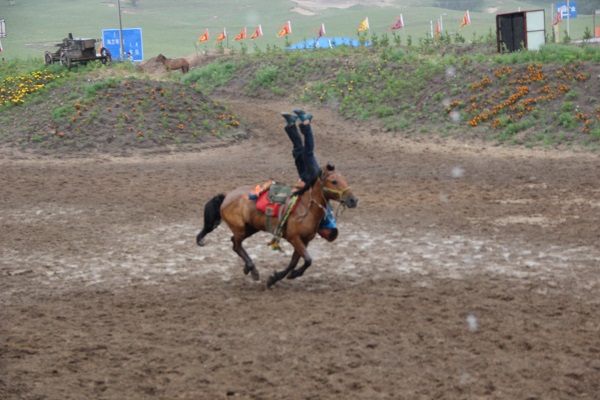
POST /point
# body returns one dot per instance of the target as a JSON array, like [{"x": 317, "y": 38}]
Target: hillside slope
[{"x": 120, "y": 109}]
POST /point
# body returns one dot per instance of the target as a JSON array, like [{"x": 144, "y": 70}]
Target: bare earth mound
[{"x": 467, "y": 271}]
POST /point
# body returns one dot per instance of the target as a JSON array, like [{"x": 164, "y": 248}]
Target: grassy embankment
[{"x": 544, "y": 98}]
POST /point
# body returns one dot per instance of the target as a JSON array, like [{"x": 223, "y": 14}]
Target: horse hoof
[
  {"x": 201, "y": 242},
  {"x": 255, "y": 275},
  {"x": 253, "y": 271}
]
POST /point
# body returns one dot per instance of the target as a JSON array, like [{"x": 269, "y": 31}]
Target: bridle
[
  {"x": 338, "y": 192},
  {"x": 325, "y": 189}
]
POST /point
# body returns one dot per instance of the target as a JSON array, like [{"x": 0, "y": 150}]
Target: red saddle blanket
[{"x": 262, "y": 203}]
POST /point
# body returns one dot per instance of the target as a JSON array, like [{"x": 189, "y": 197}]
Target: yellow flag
[{"x": 364, "y": 25}]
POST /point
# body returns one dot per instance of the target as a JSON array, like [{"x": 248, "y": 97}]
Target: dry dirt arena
[{"x": 467, "y": 271}]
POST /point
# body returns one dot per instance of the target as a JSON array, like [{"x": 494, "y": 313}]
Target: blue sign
[
  {"x": 132, "y": 43},
  {"x": 570, "y": 10}
]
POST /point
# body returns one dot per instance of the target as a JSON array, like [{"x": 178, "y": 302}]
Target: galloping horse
[
  {"x": 244, "y": 219},
  {"x": 174, "y": 63}
]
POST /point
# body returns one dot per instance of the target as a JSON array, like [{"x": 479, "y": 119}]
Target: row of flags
[
  {"x": 223, "y": 35},
  {"x": 287, "y": 29}
]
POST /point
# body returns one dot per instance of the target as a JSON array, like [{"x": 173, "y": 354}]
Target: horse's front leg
[
  {"x": 277, "y": 276},
  {"x": 301, "y": 247},
  {"x": 299, "y": 272}
]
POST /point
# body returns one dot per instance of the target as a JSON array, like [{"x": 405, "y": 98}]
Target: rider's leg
[
  {"x": 292, "y": 131},
  {"x": 311, "y": 166}
]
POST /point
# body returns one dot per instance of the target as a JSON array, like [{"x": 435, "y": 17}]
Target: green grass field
[{"x": 173, "y": 28}]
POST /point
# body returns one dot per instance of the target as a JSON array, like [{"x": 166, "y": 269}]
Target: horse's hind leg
[{"x": 249, "y": 266}]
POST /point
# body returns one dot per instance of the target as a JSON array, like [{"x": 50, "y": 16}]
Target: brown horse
[
  {"x": 174, "y": 63},
  {"x": 244, "y": 219}
]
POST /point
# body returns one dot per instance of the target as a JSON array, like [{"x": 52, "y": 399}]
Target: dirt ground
[{"x": 467, "y": 271}]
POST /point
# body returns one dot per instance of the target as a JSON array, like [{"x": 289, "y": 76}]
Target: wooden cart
[{"x": 72, "y": 51}]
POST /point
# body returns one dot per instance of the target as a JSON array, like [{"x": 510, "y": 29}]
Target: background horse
[
  {"x": 244, "y": 219},
  {"x": 174, "y": 63}
]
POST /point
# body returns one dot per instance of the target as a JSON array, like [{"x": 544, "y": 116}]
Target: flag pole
[
  {"x": 569, "y": 18},
  {"x": 120, "y": 32}
]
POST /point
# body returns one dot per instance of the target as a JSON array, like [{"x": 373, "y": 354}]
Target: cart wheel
[
  {"x": 48, "y": 58},
  {"x": 106, "y": 57},
  {"x": 65, "y": 60}
]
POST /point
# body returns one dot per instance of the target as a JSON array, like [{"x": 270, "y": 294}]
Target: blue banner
[
  {"x": 570, "y": 10},
  {"x": 132, "y": 43}
]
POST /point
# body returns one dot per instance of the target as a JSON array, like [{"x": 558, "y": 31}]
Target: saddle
[{"x": 272, "y": 199}]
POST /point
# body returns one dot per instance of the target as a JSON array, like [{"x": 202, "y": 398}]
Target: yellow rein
[{"x": 340, "y": 193}]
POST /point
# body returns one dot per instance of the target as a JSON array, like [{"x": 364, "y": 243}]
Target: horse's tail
[{"x": 212, "y": 217}]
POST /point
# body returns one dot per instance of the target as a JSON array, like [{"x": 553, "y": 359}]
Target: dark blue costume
[{"x": 304, "y": 157}]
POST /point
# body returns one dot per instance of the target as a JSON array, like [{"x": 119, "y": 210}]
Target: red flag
[
  {"x": 242, "y": 35},
  {"x": 465, "y": 20},
  {"x": 222, "y": 36},
  {"x": 557, "y": 18},
  {"x": 286, "y": 30},
  {"x": 437, "y": 28},
  {"x": 0, "y": 47},
  {"x": 399, "y": 23},
  {"x": 321, "y": 31},
  {"x": 364, "y": 25},
  {"x": 257, "y": 33},
  {"x": 204, "y": 37}
]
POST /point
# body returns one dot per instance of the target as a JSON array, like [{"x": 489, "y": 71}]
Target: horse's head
[
  {"x": 336, "y": 188},
  {"x": 161, "y": 58}
]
